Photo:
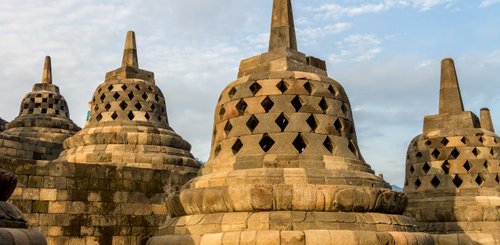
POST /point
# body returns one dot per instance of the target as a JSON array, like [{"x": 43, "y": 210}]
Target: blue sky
[{"x": 386, "y": 54}]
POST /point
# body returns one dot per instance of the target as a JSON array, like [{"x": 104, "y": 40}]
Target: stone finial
[
  {"x": 130, "y": 52},
  {"x": 486, "y": 121},
  {"x": 282, "y": 26},
  {"x": 450, "y": 99},
  {"x": 47, "y": 71}
]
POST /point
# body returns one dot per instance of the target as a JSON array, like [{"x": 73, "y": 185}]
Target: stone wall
[{"x": 92, "y": 204}]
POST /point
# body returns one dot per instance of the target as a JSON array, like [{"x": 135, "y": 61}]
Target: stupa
[
  {"x": 13, "y": 226},
  {"x": 42, "y": 125},
  {"x": 128, "y": 124},
  {"x": 452, "y": 171},
  {"x": 285, "y": 167}
]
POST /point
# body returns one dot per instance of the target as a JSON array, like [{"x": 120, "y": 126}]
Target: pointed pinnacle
[
  {"x": 47, "y": 71},
  {"x": 486, "y": 122},
  {"x": 282, "y": 26},
  {"x": 130, "y": 51},
  {"x": 450, "y": 99}
]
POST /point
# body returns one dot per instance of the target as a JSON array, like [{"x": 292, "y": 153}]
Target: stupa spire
[
  {"x": 47, "y": 71},
  {"x": 130, "y": 52},
  {"x": 486, "y": 121},
  {"x": 282, "y": 26},
  {"x": 450, "y": 99}
]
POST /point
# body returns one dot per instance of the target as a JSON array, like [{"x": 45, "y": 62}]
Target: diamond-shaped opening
[
  {"x": 114, "y": 116},
  {"x": 323, "y": 105},
  {"x": 30, "y": 111},
  {"x": 486, "y": 164},
  {"x": 328, "y": 144},
  {"x": 144, "y": 96},
  {"x": 267, "y": 104},
  {"x": 428, "y": 142},
  {"x": 147, "y": 116},
  {"x": 492, "y": 153},
  {"x": 116, "y": 95},
  {"x": 426, "y": 167},
  {"x": 110, "y": 87},
  {"x": 446, "y": 167},
  {"x": 467, "y": 166},
  {"x": 232, "y": 92},
  {"x": 435, "y": 153},
  {"x": 418, "y": 155},
  {"x": 153, "y": 107},
  {"x": 296, "y": 103},
  {"x": 332, "y": 90},
  {"x": 241, "y": 107},
  {"x": 435, "y": 182},
  {"x": 228, "y": 128},
  {"x": 352, "y": 147},
  {"x": 130, "y": 95},
  {"x": 222, "y": 112},
  {"x": 123, "y": 105},
  {"x": 99, "y": 117},
  {"x": 282, "y": 86},
  {"x": 237, "y": 146},
  {"x": 255, "y": 88},
  {"x": 344, "y": 108},
  {"x": 137, "y": 87},
  {"x": 217, "y": 150},
  {"x": 44, "y": 100},
  {"x": 308, "y": 87},
  {"x": 464, "y": 140},
  {"x": 266, "y": 143},
  {"x": 479, "y": 180},
  {"x": 44, "y": 111},
  {"x": 418, "y": 183},
  {"x": 338, "y": 126},
  {"x": 131, "y": 116},
  {"x": 455, "y": 153},
  {"x": 124, "y": 87},
  {"x": 252, "y": 123},
  {"x": 311, "y": 121},
  {"x": 497, "y": 179},
  {"x": 150, "y": 89},
  {"x": 299, "y": 143},
  {"x": 107, "y": 107},
  {"x": 282, "y": 121},
  {"x": 445, "y": 141},
  {"x": 37, "y": 105},
  {"x": 138, "y": 106},
  {"x": 99, "y": 90},
  {"x": 481, "y": 140},
  {"x": 412, "y": 169},
  {"x": 475, "y": 152},
  {"x": 457, "y": 181},
  {"x": 103, "y": 96},
  {"x": 157, "y": 98}
]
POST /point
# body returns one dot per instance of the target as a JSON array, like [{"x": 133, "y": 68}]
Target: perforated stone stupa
[
  {"x": 42, "y": 125},
  {"x": 452, "y": 171},
  {"x": 128, "y": 123},
  {"x": 13, "y": 226},
  {"x": 285, "y": 167}
]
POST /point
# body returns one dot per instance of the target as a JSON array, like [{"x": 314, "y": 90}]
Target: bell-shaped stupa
[
  {"x": 453, "y": 171},
  {"x": 42, "y": 125},
  {"x": 285, "y": 167},
  {"x": 128, "y": 124}
]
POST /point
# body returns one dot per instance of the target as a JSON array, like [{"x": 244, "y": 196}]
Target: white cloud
[
  {"x": 423, "y": 64},
  {"x": 319, "y": 32},
  {"x": 487, "y": 3},
  {"x": 357, "y": 48}
]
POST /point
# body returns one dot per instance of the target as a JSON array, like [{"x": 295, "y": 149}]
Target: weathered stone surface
[
  {"x": 452, "y": 171},
  {"x": 285, "y": 166}
]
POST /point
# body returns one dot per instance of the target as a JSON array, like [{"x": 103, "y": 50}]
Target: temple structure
[
  {"x": 285, "y": 167},
  {"x": 42, "y": 125},
  {"x": 13, "y": 226},
  {"x": 452, "y": 171},
  {"x": 109, "y": 184},
  {"x": 2, "y": 124},
  {"x": 128, "y": 124}
]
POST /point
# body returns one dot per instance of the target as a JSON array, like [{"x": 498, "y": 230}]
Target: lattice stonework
[
  {"x": 453, "y": 162},
  {"x": 46, "y": 103},
  {"x": 268, "y": 116},
  {"x": 128, "y": 100}
]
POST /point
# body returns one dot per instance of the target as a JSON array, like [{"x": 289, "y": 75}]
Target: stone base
[
  {"x": 467, "y": 238},
  {"x": 309, "y": 237},
  {"x": 11, "y": 236}
]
